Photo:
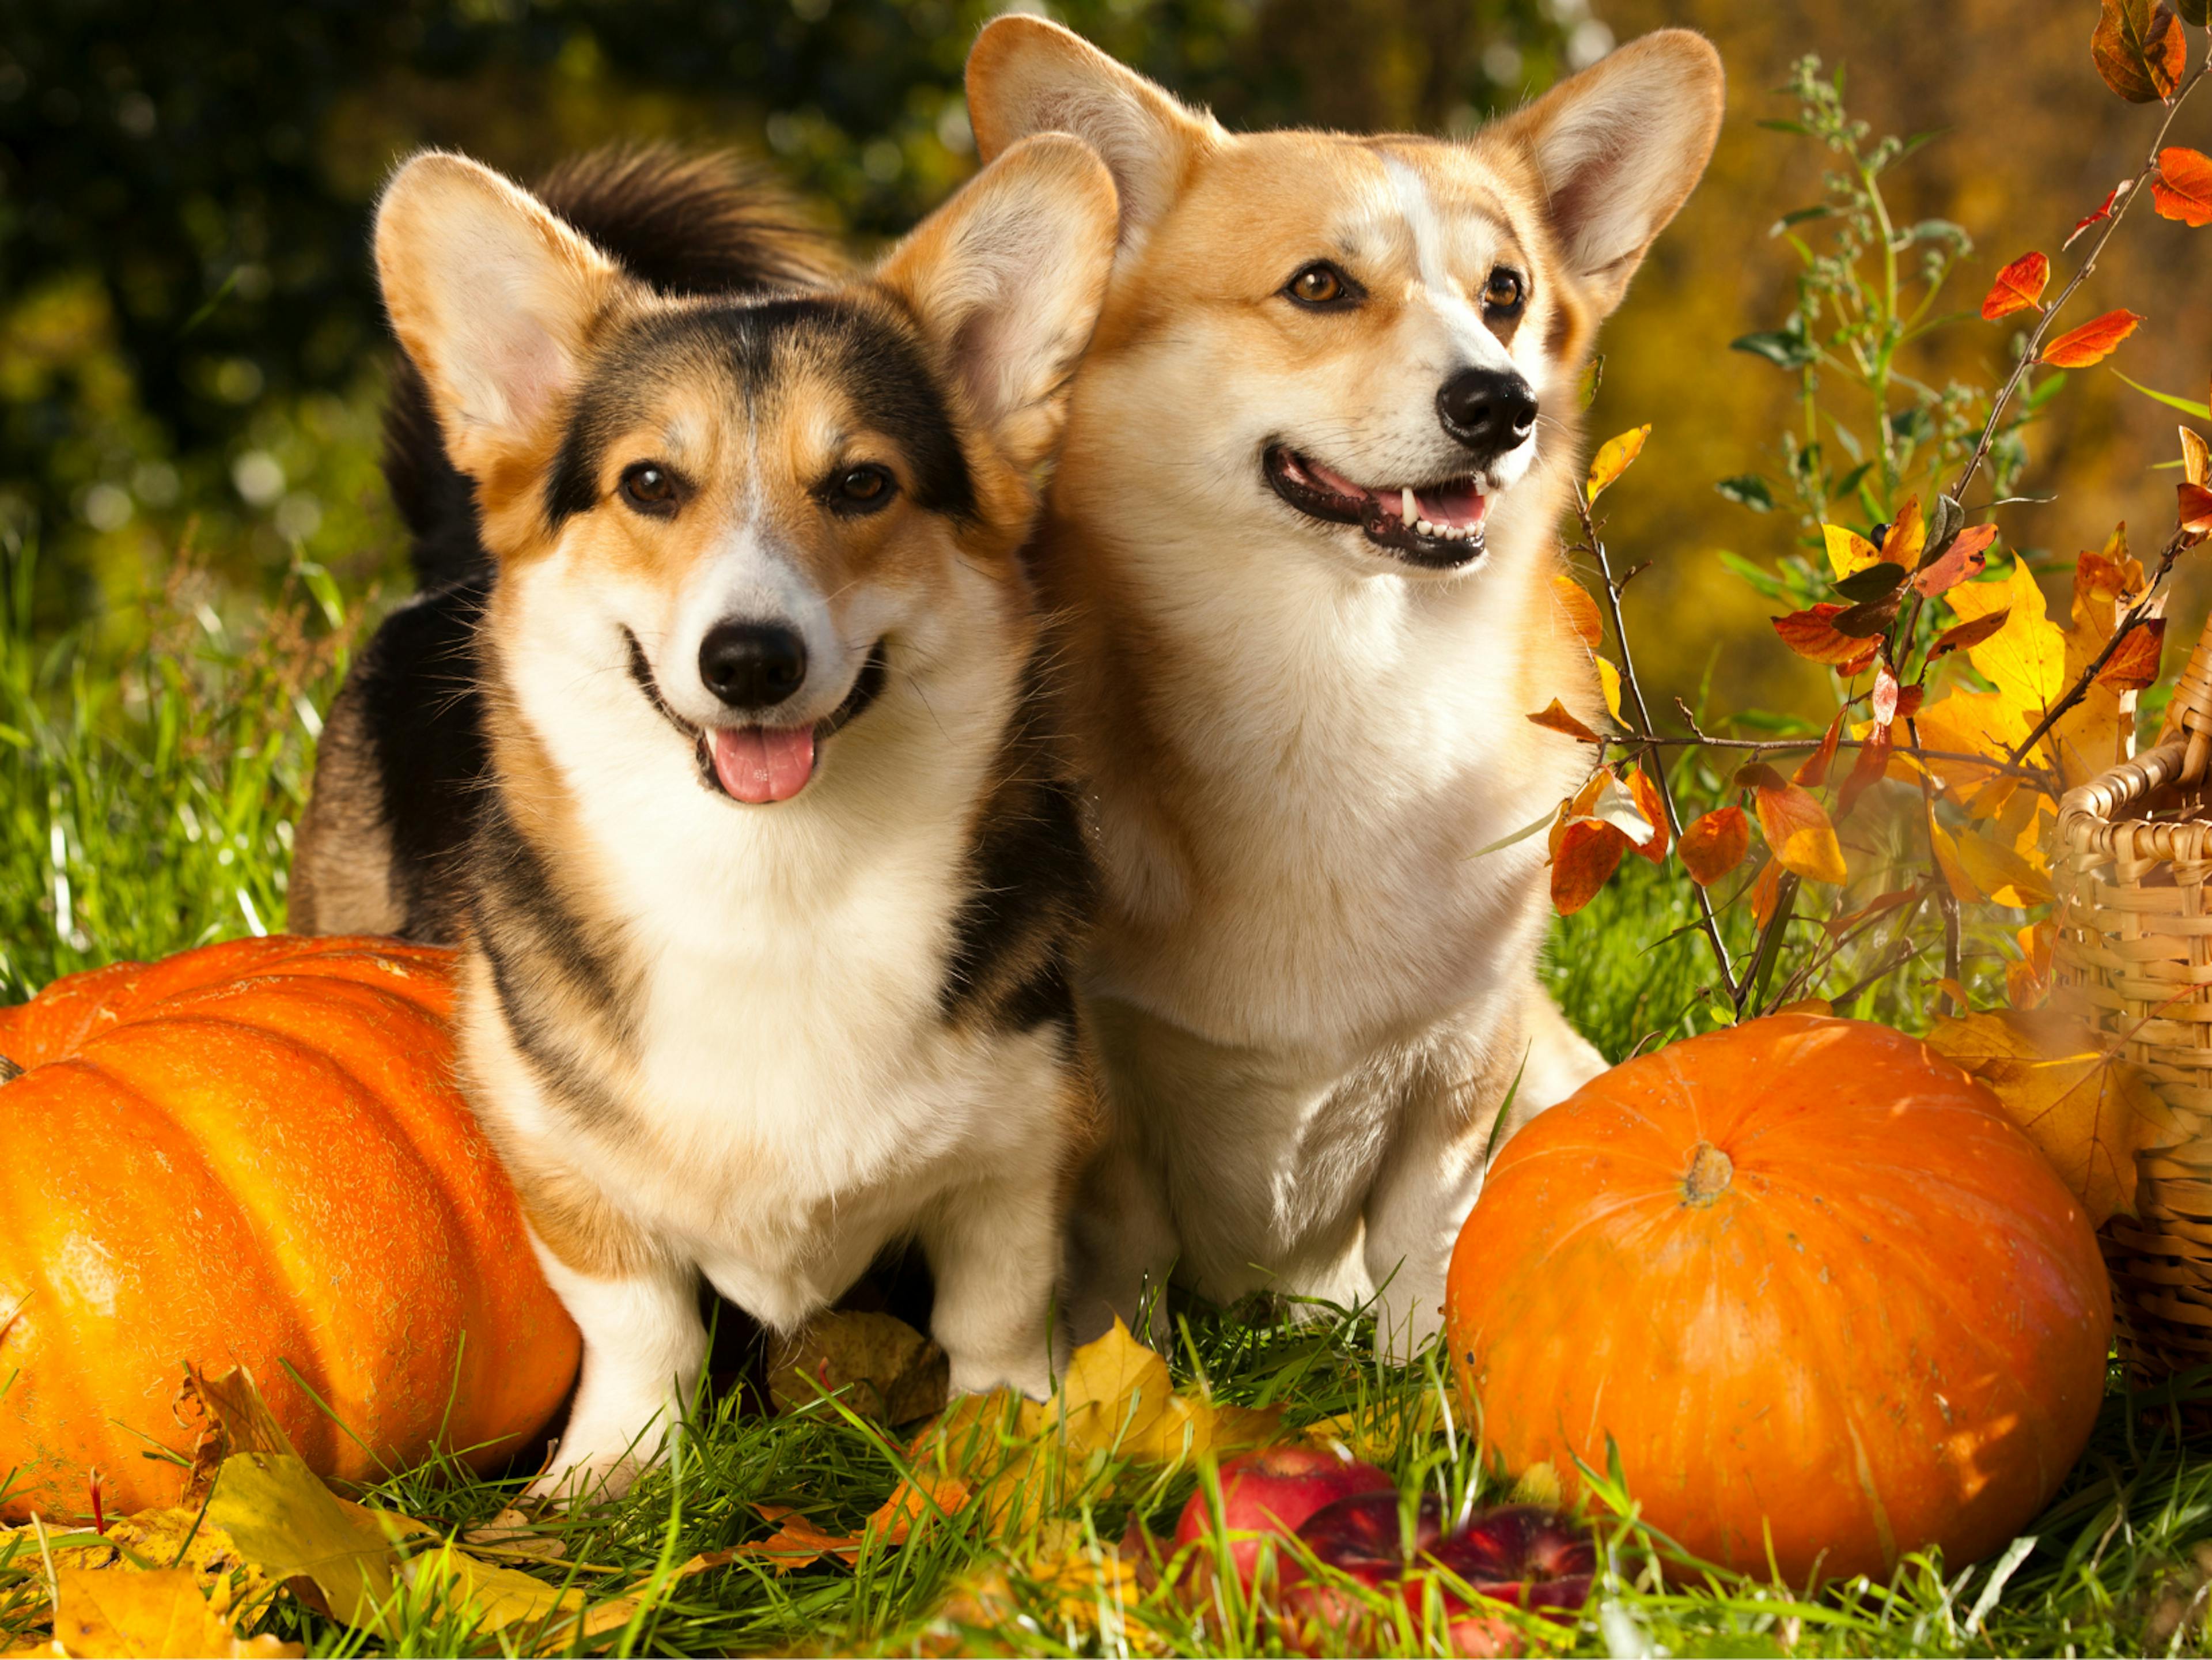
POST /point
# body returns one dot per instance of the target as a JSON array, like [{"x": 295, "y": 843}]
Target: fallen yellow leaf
[
  {"x": 147, "y": 1612},
  {"x": 2089, "y": 1111},
  {"x": 507, "y": 1600}
]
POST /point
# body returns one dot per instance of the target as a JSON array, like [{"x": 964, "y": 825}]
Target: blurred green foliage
[{"x": 188, "y": 326}]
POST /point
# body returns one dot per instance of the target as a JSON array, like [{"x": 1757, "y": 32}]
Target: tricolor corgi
[
  {"x": 733, "y": 780},
  {"x": 1300, "y": 547}
]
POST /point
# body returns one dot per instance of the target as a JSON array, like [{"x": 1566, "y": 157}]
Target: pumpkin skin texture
[
  {"x": 1812, "y": 1281},
  {"x": 251, "y": 1153}
]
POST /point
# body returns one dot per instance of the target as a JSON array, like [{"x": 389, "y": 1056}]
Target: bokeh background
[{"x": 190, "y": 348}]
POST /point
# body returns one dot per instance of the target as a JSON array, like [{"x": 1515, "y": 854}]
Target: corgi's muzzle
[
  {"x": 1438, "y": 525},
  {"x": 753, "y": 668}
]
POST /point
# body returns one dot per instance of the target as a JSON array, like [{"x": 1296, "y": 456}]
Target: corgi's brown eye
[
  {"x": 1321, "y": 284},
  {"x": 861, "y": 490},
  {"x": 650, "y": 488},
  {"x": 1505, "y": 290}
]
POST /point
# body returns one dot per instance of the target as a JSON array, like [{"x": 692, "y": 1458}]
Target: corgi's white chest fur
[
  {"x": 1370, "y": 746},
  {"x": 795, "y": 1096}
]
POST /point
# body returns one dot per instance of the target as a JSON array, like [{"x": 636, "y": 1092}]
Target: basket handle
[{"x": 2189, "y": 716}]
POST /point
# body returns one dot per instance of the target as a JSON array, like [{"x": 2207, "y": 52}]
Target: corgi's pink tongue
[{"x": 764, "y": 763}]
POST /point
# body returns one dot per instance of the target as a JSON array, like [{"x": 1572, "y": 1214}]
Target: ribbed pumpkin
[
  {"x": 254, "y": 1153},
  {"x": 1812, "y": 1282}
]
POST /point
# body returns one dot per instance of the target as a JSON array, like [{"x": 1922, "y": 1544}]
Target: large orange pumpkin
[
  {"x": 254, "y": 1153},
  {"x": 1815, "y": 1286}
]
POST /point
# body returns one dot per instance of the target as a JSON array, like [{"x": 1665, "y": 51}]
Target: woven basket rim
[{"x": 2088, "y": 823}]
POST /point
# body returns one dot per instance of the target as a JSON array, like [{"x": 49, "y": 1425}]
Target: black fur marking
[
  {"x": 542, "y": 963},
  {"x": 705, "y": 224},
  {"x": 515, "y": 903},
  {"x": 424, "y": 718},
  {"x": 877, "y": 360},
  {"x": 1029, "y": 882}
]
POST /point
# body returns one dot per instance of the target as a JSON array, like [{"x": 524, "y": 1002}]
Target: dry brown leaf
[
  {"x": 513, "y": 1534},
  {"x": 2089, "y": 1111},
  {"x": 879, "y": 1365}
]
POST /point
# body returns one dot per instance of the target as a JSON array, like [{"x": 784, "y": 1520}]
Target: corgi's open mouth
[
  {"x": 1438, "y": 525},
  {"x": 760, "y": 764}
]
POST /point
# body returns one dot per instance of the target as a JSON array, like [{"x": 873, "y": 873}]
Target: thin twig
[
  {"x": 1947, "y": 902},
  {"x": 1700, "y": 739},
  {"x": 1655, "y": 770},
  {"x": 2136, "y": 613}
]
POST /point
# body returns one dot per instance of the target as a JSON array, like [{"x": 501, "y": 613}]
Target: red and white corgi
[
  {"x": 731, "y": 776},
  {"x": 1300, "y": 548}
]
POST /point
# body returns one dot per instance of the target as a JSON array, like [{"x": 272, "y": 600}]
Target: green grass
[{"x": 149, "y": 777}]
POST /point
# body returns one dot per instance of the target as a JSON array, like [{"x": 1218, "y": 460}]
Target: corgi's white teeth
[
  {"x": 1424, "y": 527},
  {"x": 1407, "y": 509}
]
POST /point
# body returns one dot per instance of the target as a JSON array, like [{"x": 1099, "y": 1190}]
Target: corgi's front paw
[
  {"x": 975, "y": 1375},
  {"x": 588, "y": 1477}
]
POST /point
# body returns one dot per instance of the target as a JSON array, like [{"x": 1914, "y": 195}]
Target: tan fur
[{"x": 1311, "y": 998}]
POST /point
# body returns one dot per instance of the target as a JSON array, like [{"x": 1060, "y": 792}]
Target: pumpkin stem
[
  {"x": 1710, "y": 1172},
  {"x": 9, "y": 1071}
]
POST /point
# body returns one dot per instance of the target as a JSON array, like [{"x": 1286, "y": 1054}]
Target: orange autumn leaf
[
  {"x": 1715, "y": 845},
  {"x": 2094, "y": 342},
  {"x": 2028, "y": 983},
  {"x": 1646, "y": 796},
  {"x": 1813, "y": 770},
  {"x": 1963, "y": 561},
  {"x": 1901, "y": 544},
  {"x": 2102, "y": 214},
  {"x": 1589, "y": 855},
  {"x": 2139, "y": 50},
  {"x": 2019, "y": 287},
  {"x": 2183, "y": 189},
  {"x": 1766, "y": 893},
  {"x": 1796, "y": 826},
  {"x": 2195, "y": 509},
  {"x": 1553, "y": 717},
  {"x": 1612, "y": 459},
  {"x": 1582, "y": 610},
  {"x": 2196, "y": 457},
  {"x": 1812, "y": 634},
  {"x": 2134, "y": 665},
  {"x": 1866, "y": 771},
  {"x": 1972, "y": 633}
]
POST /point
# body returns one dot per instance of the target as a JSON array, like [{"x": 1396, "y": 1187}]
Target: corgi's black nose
[
  {"x": 1489, "y": 411},
  {"x": 752, "y": 666}
]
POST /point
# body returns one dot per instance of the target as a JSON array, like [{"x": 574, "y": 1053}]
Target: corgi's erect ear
[
  {"x": 1008, "y": 276},
  {"x": 1619, "y": 147},
  {"x": 1026, "y": 76},
  {"x": 493, "y": 298}
]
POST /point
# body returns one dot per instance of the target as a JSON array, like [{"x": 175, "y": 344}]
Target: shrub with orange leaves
[{"x": 1892, "y": 859}]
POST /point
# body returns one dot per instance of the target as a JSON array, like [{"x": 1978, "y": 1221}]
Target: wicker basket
[{"x": 2134, "y": 943}]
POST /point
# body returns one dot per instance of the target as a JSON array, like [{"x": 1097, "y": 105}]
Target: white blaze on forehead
[{"x": 1479, "y": 347}]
